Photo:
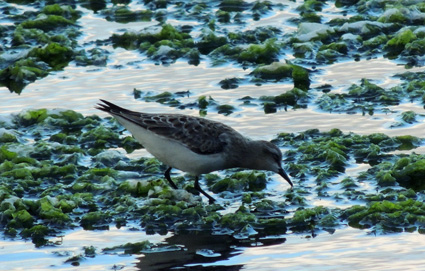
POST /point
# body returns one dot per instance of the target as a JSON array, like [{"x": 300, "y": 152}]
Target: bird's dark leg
[
  {"x": 167, "y": 176},
  {"x": 197, "y": 187}
]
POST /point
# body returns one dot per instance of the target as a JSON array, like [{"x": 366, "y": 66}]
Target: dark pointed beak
[{"x": 285, "y": 176}]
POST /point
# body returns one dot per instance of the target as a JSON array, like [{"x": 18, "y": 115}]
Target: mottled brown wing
[{"x": 200, "y": 135}]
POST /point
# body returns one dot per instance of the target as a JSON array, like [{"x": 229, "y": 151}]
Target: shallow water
[
  {"x": 345, "y": 248},
  {"x": 79, "y": 88},
  {"x": 82, "y": 87},
  {"x": 19, "y": 255}
]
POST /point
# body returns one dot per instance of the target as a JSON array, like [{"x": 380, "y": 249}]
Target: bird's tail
[{"x": 112, "y": 108}]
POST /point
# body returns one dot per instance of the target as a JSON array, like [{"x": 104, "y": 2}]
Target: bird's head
[{"x": 270, "y": 158}]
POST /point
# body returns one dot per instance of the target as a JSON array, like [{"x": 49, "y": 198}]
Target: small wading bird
[{"x": 196, "y": 145}]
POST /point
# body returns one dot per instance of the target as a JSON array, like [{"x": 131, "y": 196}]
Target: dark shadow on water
[{"x": 190, "y": 256}]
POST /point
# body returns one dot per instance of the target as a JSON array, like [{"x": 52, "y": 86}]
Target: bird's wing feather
[{"x": 199, "y": 135}]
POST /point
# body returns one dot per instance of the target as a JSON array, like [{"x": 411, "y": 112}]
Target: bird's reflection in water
[{"x": 199, "y": 251}]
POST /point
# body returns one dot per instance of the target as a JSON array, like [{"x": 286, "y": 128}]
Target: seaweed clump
[
  {"x": 165, "y": 45},
  {"x": 326, "y": 155},
  {"x": 388, "y": 216},
  {"x": 46, "y": 42}
]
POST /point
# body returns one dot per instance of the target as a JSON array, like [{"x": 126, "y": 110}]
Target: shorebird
[{"x": 196, "y": 145}]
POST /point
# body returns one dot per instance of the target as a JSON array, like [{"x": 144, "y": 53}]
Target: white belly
[{"x": 172, "y": 153}]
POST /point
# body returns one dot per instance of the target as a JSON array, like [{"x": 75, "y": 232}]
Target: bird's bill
[{"x": 285, "y": 176}]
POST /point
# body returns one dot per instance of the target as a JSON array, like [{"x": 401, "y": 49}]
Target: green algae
[
  {"x": 16, "y": 76},
  {"x": 138, "y": 188},
  {"x": 294, "y": 97},
  {"x": 95, "y": 220},
  {"x": 275, "y": 71},
  {"x": 47, "y": 36},
  {"x": 240, "y": 181},
  {"x": 21, "y": 219},
  {"x": 230, "y": 83},
  {"x": 129, "y": 248},
  {"x": 409, "y": 172},
  {"x": 223, "y": 16},
  {"x": 326, "y": 155},
  {"x": 37, "y": 234},
  {"x": 406, "y": 171},
  {"x": 30, "y": 117},
  {"x": 311, "y": 5},
  {"x": 209, "y": 42},
  {"x": 130, "y": 144},
  {"x": 278, "y": 71},
  {"x": 22, "y": 36},
  {"x": 47, "y": 23},
  {"x": 265, "y": 52},
  {"x": 300, "y": 77},
  {"x": 168, "y": 44},
  {"x": 62, "y": 10},
  {"x": 260, "y": 53},
  {"x": 203, "y": 102},
  {"x": 123, "y": 14},
  {"x": 313, "y": 219},
  {"x": 328, "y": 152},
  {"x": 365, "y": 90},
  {"x": 89, "y": 251},
  {"x": 408, "y": 142},
  {"x": 408, "y": 116},
  {"x": 397, "y": 44},
  {"x": 99, "y": 137},
  {"x": 162, "y": 215},
  {"x": 339, "y": 47},
  {"x": 237, "y": 220},
  {"x": 54, "y": 54},
  {"x": 75, "y": 260},
  {"x": 387, "y": 216},
  {"x": 5, "y": 154},
  {"x": 160, "y": 98},
  {"x": 51, "y": 214},
  {"x": 269, "y": 107},
  {"x": 366, "y": 98},
  {"x": 225, "y": 109},
  {"x": 233, "y": 5}
]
